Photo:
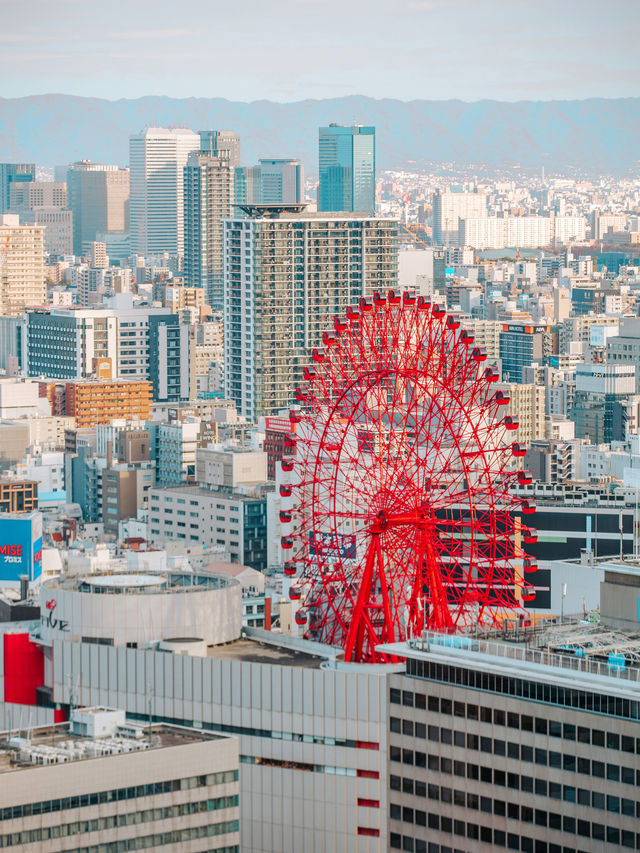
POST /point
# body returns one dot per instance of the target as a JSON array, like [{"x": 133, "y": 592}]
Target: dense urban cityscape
[{"x": 320, "y": 474}]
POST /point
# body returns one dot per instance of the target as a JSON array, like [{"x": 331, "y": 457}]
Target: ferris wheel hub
[{"x": 420, "y": 517}]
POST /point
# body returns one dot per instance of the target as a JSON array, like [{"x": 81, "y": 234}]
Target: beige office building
[
  {"x": 22, "y": 281},
  {"x": 58, "y": 228},
  {"x": 99, "y": 199},
  {"x": 125, "y": 789}
]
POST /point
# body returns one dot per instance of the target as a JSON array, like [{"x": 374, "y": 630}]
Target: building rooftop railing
[{"x": 574, "y": 660}]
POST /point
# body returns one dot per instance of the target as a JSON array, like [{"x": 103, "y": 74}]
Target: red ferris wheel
[{"x": 402, "y": 511}]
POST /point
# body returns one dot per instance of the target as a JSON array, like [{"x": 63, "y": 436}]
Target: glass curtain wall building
[{"x": 347, "y": 165}]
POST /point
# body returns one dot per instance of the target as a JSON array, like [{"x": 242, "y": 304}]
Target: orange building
[
  {"x": 18, "y": 495},
  {"x": 92, "y": 402}
]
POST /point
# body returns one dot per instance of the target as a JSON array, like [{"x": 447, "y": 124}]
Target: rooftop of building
[
  {"x": 58, "y": 744},
  {"x": 577, "y": 654},
  {"x": 297, "y": 212},
  {"x": 274, "y": 649},
  {"x": 223, "y": 492},
  {"x": 141, "y": 583}
]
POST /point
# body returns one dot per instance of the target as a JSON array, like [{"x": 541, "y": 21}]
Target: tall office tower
[
  {"x": 22, "y": 279},
  {"x": 13, "y": 173},
  {"x": 281, "y": 181},
  {"x": 286, "y": 275},
  {"x": 208, "y": 200},
  {"x": 449, "y": 209},
  {"x": 246, "y": 185},
  {"x": 98, "y": 196},
  {"x": 347, "y": 164},
  {"x": 44, "y": 203},
  {"x": 157, "y": 157},
  {"x": 29, "y": 194},
  {"x": 220, "y": 141},
  {"x": 58, "y": 228}
]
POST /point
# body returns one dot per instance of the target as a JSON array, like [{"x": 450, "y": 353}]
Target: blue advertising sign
[{"x": 20, "y": 547}]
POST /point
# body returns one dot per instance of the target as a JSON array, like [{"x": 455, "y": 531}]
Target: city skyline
[{"x": 417, "y": 49}]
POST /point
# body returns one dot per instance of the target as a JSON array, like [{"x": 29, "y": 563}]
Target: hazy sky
[{"x": 287, "y": 50}]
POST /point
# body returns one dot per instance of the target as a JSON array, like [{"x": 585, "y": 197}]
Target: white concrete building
[
  {"x": 47, "y": 467},
  {"x": 62, "y": 343},
  {"x": 525, "y": 232},
  {"x": 235, "y": 521},
  {"x": 313, "y": 740},
  {"x": 618, "y": 379},
  {"x": 569, "y": 229},
  {"x": 624, "y": 348},
  {"x": 448, "y": 209},
  {"x": 415, "y": 270},
  {"x": 219, "y": 466},
  {"x": 482, "y": 232},
  {"x": 144, "y": 608},
  {"x": 20, "y": 398}
]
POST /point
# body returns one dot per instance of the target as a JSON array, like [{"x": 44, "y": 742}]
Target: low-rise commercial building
[
  {"x": 18, "y": 495},
  {"x": 62, "y": 790},
  {"x": 236, "y": 521},
  {"x": 493, "y": 747}
]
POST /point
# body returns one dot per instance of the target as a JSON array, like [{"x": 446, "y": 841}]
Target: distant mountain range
[{"x": 597, "y": 135}]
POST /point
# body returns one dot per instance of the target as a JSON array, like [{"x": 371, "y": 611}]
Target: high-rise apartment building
[
  {"x": 281, "y": 181},
  {"x": 157, "y": 157},
  {"x": 448, "y": 209},
  {"x": 347, "y": 167},
  {"x": 208, "y": 200},
  {"x": 219, "y": 142},
  {"x": 285, "y": 278},
  {"x": 13, "y": 173},
  {"x": 22, "y": 280},
  {"x": 98, "y": 196}
]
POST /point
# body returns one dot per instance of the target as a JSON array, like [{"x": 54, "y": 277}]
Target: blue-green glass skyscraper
[{"x": 347, "y": 164}]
